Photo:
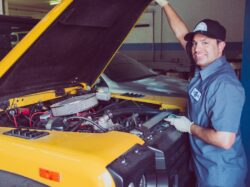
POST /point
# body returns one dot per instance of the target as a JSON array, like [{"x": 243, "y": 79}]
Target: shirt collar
[{"x": 213, "y": 67}]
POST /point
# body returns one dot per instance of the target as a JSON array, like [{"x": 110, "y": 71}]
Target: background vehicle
[{"x": 127, "y": 76}]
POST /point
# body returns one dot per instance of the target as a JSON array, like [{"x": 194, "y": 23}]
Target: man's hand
[
  {"x": 162, "y": 3},
  {"x": 181, "y": 123}
]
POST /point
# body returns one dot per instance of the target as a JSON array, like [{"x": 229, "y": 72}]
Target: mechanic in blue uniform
[{"x": 216, "y": 99}]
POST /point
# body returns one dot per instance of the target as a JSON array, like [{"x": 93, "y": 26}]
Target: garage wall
[
  {"x": 33, "y": 13},
  {"x": 153, "y": 43},
  {"x": 1, "y": 7},
  {"x": 27, "y": 8},
  {"x": 164, "y": 46},
  {"x": 228, "y": 12}
]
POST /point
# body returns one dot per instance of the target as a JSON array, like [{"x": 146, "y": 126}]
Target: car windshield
[{"x": 124, "y": 68}]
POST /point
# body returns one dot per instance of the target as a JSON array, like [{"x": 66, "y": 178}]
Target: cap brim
[{"x": 189, "y": 36}]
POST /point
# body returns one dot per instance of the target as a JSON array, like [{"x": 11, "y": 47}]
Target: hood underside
[{"x": 75, "y": 48}]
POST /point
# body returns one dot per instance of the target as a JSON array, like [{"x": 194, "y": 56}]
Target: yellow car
[{"x": 57, "y": 130}]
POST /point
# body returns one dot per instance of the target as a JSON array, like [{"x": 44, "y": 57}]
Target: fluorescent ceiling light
[{"x": 54, "y": 2}]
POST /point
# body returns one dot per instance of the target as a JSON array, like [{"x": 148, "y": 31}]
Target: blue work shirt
[{"x": 216, "y": 99}]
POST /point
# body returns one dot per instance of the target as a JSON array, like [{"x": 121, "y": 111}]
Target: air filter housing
[{"x": 74, "y": 105}]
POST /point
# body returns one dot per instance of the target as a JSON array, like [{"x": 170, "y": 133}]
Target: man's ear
[{"x": 222, "y": 46}]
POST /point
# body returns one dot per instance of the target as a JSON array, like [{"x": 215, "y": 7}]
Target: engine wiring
[
  {"x": 86, "y": 119},
  {"x": 32, "y": 115}
]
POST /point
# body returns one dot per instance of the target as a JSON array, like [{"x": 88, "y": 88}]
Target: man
[{"x": 214, "y": 107}]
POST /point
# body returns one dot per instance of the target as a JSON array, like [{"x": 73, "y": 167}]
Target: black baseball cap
[{"x": 209, "y": 28}]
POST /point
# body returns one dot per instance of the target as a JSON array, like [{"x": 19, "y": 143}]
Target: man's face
[{"x": 205, "y": 50}]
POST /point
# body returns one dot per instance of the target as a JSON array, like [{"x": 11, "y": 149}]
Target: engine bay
[{"x": 87, "y": 114}]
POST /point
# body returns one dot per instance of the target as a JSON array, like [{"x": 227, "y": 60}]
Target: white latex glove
[
  {"x": 162, "y": 3},
  {"x": 181, "y": 123}
]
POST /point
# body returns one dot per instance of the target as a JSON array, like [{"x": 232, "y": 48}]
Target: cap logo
[{"x": 201, "y": 27}]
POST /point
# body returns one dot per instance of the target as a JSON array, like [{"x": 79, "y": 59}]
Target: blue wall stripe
[
  {"x": 170, "y": 46},
  {"x": 245, "y": 128}
]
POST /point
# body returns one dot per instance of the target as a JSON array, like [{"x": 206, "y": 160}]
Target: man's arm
[
  {"x": 220, "y": 139},
  {"x": 176, "y": 23}
]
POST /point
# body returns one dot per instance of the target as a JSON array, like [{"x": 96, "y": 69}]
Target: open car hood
[{"x": 72, "y": 44}]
